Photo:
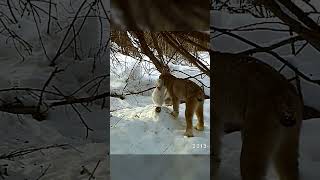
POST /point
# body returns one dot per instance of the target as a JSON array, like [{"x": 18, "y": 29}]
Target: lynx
[
  {"x": 269, "y": 110},
  {"x": 188, "y": 91}
]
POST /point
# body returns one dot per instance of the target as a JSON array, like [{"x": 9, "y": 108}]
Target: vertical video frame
[
  {"x": 160, "y": 92},
  {"x": 159, "y": 89}
]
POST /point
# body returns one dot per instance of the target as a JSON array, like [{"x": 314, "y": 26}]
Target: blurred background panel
[
  {"x": 156, "y": 167},
  {"x": 160, "y": 15}
]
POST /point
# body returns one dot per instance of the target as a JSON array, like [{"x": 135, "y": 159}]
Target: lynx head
[
  {"x": 159, "y": 84},
  {"x": 165, "y": 77}
]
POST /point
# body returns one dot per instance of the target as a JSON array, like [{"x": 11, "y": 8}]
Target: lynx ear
[{"x": 163, "y": 78}]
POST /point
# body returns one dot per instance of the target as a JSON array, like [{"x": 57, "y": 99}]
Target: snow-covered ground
[
  {"x": 63, "y": 126},
  {"x": 57, "y": 147},
  {"x": 135, "y": 127},
  {"x": 309, "y": 154},
  {"x": 62, "y": 162}
]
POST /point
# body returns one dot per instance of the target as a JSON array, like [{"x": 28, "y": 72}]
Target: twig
[
  {"x": 25, "y": 151},
  {"x": 73, "y": 100},
  {"x": 49, "y": 19},
  {"x": 45, "y": 86},
  {"x": 61, "y": 50},
  {"x": 38, "y": 30},
  {"x": 44, "y": 172},
  {"x": 132, "y": 93},
  {"x": 194, "y": 77},
  {"x": 94, "y": 170},
  {"x": 11, "y": 11},
  {"x": 269, "y": 52},
  {"x": 82, "y": 120},
  {"x": 78, "y": 113}
]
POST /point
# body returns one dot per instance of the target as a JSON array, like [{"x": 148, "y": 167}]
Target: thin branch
[
  {"x": 44, "y": 172},
  {"x": 94, "y": 170},
  {"x": 46, "y": 85},
  {"x": 11, "y": 11},
  {"x": 269, "y": 52},
  {"x": 169, "y": 39},
  {"x": 147, "y": 51},
  {"x": 273, "y": 46},
  {"x": 79, "y": 115},
  {"x": 25, "y": 151},
  {"x": 60, "y": 49},
  {"x": 49, "y": 17}
]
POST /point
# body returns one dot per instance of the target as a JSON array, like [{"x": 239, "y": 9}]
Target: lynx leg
[
  {"x": 190, "y": 108},
  {"x": 255, "y": 155},
  {"x": 175, "y": 103},
  {"x": 286, "y": 158},
  {"x": 199, "y": 113}
]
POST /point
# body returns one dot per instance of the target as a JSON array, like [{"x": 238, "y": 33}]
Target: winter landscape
[
  {"x": 53, "y": 77},
  {"x": 56, "y": 68},
  {"x": 135, "y": 126}
]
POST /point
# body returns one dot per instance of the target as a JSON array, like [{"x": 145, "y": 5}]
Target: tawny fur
[
  {"x": 183, "y": 89},
  {"x": 260, "y": 98}
]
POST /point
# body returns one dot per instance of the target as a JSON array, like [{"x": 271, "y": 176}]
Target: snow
[
  {"x": 135, "y": 127},
  {"x": 63, "y": 125}
]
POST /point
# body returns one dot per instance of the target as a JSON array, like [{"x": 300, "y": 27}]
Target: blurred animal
[
  {"x": 156, "y": 15},
  {"x": 269, "y": 110}
]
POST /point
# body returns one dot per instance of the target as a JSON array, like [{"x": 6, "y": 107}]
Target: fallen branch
[
  {"x": 25, "y": 151},
  {"x": 94, "y": 170},
  {"x": 73, "y": 100},
  {"x": 44, "y": 172}
]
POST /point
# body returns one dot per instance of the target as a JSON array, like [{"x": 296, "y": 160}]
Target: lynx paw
[
  {"x": 188, "y": 133},
  {"x": 158, "y": 109},
  {"x": 199, "y": 127}
]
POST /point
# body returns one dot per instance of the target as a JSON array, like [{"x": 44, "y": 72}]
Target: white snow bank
[{"x": 62, "y": 127}]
